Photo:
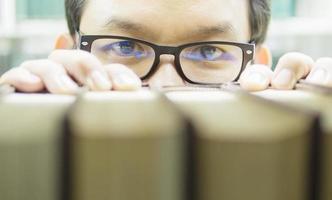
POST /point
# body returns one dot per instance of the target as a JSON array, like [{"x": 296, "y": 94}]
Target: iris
[
  {"x": 124, "y": 49},
  {"x": 208, "y": 53}
]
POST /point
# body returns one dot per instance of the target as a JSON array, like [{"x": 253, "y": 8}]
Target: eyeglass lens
[{"x": 207, "y": 63}]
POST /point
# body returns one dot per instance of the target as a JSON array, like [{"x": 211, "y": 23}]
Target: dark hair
[{"x": 259, "y": 16}]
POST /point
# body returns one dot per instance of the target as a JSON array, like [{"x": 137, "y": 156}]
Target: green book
[
  {"x": 30, "y": 146},
  {"x": 125, "y": 146},
  {"x": 319, "y": 101},
  {"x": 249, "y": 148}
]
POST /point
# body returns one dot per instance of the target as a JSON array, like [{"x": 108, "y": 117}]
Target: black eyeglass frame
[{"x": 248, "y": 50}]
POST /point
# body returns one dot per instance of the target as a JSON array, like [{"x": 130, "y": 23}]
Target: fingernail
[
  {"x": 32, "y": 79},
  {"x": 319, "y": 76},
  {"x": 257, "y": 79},
  {"x": 124, "y": 81},
  {"x": 285, "y": 79},
  {"x": 100, "y": 80},
  {"x": 68, "y": 83}
]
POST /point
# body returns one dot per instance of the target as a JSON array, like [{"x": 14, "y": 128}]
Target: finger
[
  {"x": 53, "y": 75},
  {"x": 22, "y": 80},
  {"x": 84, "y": 67},
  {"x": 256, "y": 78},
  {"x": 290, "y": 68},
  {"x": 321, "y": 72},
  {"x": 123, "y": 78}
]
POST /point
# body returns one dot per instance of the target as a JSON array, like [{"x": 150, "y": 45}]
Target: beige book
[
  {"x": 30, "y": 146},
  {"x": 248, "y": 148},
  {"x": 321, "y": 103},
  {"x": 126, "y": 146}
]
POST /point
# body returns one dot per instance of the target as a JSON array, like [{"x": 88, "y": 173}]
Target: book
[
  {"x": 30, "y": 159},
  {"x": 249, "y": 148},
  {"x": 125, "y": 146},
  {"x": 320, "y": 101}
]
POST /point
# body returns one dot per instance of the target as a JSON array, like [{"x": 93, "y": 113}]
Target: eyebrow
[
  {"x": 222, "y": 29},
  {"x": 127, "y": 26}
]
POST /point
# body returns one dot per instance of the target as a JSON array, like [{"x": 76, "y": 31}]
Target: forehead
[{"x": 167, "y": 20}]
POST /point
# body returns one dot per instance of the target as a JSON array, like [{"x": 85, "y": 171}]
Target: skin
[{"x": 171, "y": 22}]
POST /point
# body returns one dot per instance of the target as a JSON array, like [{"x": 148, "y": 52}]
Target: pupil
[
  {"x": 208, "y": 52},
  {"x": 127, "y": 47}
]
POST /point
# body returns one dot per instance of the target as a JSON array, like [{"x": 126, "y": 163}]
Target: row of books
[{"x": 192, "y": 144}]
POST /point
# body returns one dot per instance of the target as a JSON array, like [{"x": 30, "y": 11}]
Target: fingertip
[
  {"x": 61, "y": 84},
  {"x": 284, "y": 80},
  {"x": 23, "y": 80},
  {"x": 318, "y": 76},
  {"x": 254, "y": 81},
  {"x": 123, "y": 78},
  {"x": 126, "y": 82},
  {"x": 98, "y": 81},
  {"x": 256, "y": 77},
  {"x": 299, "y": 63},
  {"x": 322, "y": 72}
]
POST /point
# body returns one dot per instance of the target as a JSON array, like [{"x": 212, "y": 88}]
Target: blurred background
[{"x": 28, "y": 28}]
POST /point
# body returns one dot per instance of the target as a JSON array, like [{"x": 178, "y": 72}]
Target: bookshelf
[
  {"x": 28, "y": 29},
  {"x": 312, "y": 36},
  {"x": 301, "y": 25}
]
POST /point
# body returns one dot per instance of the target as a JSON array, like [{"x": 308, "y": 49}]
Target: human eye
[
  {"x": 209, "y": 53},
  {"x": 125, "y": 48}
]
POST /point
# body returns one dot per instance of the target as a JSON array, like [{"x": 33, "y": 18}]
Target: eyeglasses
[{"x": 213, "y": 62}]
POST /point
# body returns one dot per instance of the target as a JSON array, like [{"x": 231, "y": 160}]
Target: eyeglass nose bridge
[
  {"x": 166, "y": 50},
  {"x": 163, "y": 50}
]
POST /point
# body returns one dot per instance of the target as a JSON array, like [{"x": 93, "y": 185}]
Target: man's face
[{"x": 168, "y": 22}]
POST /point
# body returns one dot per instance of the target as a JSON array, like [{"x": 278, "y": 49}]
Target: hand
[
  {"x": 290, "y": 69},
  {"x": 65, "y": 70}
]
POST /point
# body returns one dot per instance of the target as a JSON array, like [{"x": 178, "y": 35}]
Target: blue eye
[
  {"x": 124, "y": 49},
  {"x": 208, "y": 53}
]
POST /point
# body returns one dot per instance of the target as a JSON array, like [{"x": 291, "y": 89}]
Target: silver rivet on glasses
[
  {"x": 249, "y": 52},
  {"x": 85, "y": 43}
]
